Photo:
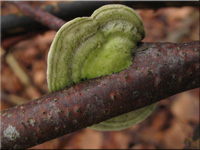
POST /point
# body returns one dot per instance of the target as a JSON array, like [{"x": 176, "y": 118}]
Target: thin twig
[
  {"x": 22, "y": 76},
  {"x": 43, "y": 17},
  {"x": 13, "y": 24},
  {"x": 16, "y": 68},
  {"x": 159, "y": 70}
]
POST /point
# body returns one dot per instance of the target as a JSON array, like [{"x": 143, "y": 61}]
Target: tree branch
[
  {"x": 159, "y": 70},
  {"x": 43, "y": 17},
  {"x": 15, "y": 24}
]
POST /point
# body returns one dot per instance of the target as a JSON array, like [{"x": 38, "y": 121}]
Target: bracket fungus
[{"x": 90, "y": 47}]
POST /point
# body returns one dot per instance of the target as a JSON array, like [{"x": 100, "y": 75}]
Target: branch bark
[
  {"x": 15, "y": 24},
  {"x": 159, "y": 70}
]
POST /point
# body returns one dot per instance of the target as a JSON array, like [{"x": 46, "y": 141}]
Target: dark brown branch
[
  {"x": 159, "y": 70},
  {"x": 43, "y": 17},
  {"x": 15, "y": 24}
]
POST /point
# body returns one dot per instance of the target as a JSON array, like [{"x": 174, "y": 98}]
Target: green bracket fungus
[{"x": 95, "y": 46}]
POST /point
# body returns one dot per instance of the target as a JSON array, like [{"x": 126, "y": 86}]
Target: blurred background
[{"x": 23, "y": 78}]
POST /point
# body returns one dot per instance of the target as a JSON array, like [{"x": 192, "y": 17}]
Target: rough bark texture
[
  {"x": 14, "y": 24},
  {"x": 159, "y": 70}
]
